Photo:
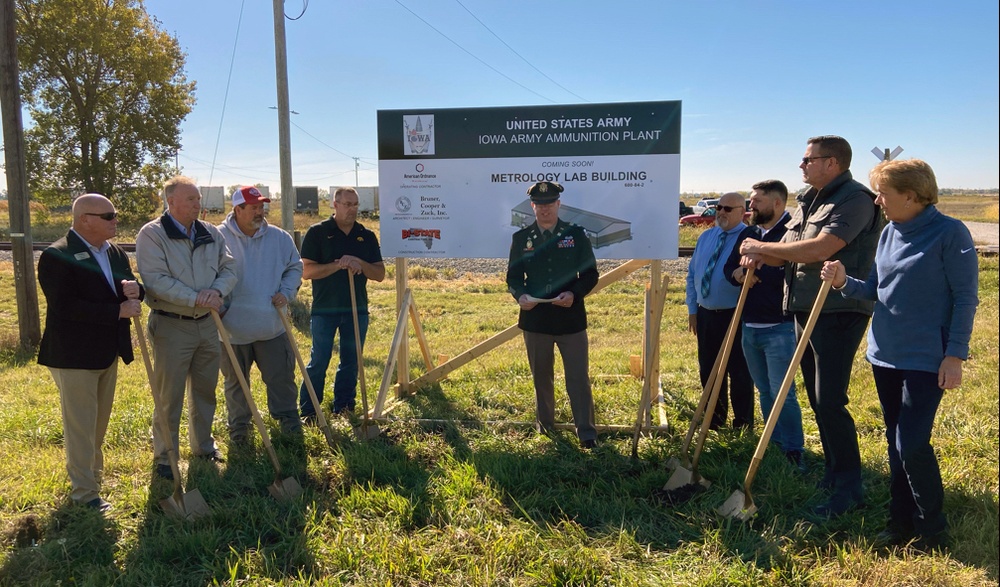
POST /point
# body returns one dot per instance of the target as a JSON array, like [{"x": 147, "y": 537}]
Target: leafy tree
[{"x": 106, "y": 91}]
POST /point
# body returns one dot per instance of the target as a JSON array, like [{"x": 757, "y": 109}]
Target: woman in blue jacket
[{"x": 924, "y": 283}]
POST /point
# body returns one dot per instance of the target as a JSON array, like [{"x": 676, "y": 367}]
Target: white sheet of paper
[{"x": 540, "y": 300}]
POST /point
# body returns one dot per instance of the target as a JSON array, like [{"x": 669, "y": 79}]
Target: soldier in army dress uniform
[{"x": 551, "y": 269}]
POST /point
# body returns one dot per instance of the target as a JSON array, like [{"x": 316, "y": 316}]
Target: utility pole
[
  {"x": 356, "y": 164},
  {"x": 17, "y": 185},
  {"x": 284, "y": 122}
]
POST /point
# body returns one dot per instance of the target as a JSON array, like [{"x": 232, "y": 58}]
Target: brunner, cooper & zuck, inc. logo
[
  {"x": 418, "y": 134},
  {"x": 425, "y": 235},
  {"x": 403, "y": 205}
]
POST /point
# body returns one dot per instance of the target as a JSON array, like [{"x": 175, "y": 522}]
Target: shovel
[
  {"x": 368, "y": 429},
  {"x": 740, "y": 504},
  {"x": 683, "y": 476},
  {"x": 190, "y": 505},
  {"x": 281, "y": 489},
  {"x": 323, "y": 425}
]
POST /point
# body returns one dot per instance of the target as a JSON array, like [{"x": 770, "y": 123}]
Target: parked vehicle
[
  {"x": 685, "y": 209},
  {"x": 703, "y": 205},
  {"x": 706, "y": 218}
]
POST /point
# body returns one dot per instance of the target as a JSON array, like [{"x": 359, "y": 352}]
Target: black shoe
[
  {"x": 895, "y": 534},
  {"x": 164, "y": 472},
  {"x": 98, "y": 504},
  {"x": 841, "y": 502},
  {"x": 215, "y": 457},
  {"x": 939, "y": 541},
  {"x": 240, "y": 441},
  {"x": 310, "y": 420},
  {"x": 795, "y": 457},
  {"x": 589, "y": 444}
]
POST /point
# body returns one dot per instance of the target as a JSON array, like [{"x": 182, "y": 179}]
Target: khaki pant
[
  {"x": 86, "y": 396},
  {"x": 186, "y": 354}
]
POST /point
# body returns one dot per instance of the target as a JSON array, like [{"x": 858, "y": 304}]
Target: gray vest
[{"x": 802, "y": 280}]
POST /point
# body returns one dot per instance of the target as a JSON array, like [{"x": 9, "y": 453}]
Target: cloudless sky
[{"x": 756, "y": 78}]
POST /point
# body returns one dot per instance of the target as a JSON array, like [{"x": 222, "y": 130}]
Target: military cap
[{"x": 544, "y": 192}]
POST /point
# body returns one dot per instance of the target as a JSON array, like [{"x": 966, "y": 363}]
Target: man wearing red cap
[
  {"x": 551, "y": 269},
  {"x": 270, "y": 272}
]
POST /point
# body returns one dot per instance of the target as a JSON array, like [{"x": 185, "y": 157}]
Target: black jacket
[
  {"x": 764, "y": 300},
  {"x": 82, "y": 328},
  {"x": 544, "y": 268}
]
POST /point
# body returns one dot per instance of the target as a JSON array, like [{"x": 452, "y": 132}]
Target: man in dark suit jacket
[{"x": 91, "y": 294}]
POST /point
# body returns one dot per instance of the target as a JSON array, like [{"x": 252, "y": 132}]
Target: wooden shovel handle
[
  {"x": 720, "y": 373},
  {"x": 357, "y": 344},
  {"x": 786, "y": 384},
  {"x": 257, "y": 420},
  {"x": 305, "y": 375}
]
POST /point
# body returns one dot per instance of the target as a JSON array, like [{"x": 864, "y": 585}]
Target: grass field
[{"x": 487, "y": 505}]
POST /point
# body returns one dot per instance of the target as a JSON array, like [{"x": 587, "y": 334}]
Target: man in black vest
[
  {"x": 91, "y": 294},
  {"x": 551, "y": 269},
  {"x": 836, "y": 220}
]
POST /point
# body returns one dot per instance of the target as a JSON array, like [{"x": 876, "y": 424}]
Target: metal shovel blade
[
  {"x": 285, "y": 490},
  {"x": 681, "y": 477},
  {"x": 187, "y": 506},
  {"x": 737, "y": 507},
  {"x": 366, "y": 431}
]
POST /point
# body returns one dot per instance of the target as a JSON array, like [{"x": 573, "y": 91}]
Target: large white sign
[{"x": 452, "y": 183}]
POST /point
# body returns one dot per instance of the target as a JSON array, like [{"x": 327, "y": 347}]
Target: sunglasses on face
[
  {"x": 727, "y": 208},
  {"x": 109, "y": 216}
]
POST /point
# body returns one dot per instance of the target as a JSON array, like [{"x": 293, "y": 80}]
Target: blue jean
[
  {"x": 768, "y": 352},
  {"x": 324, "y": 328},
  {"x": 910, "y": 400}
]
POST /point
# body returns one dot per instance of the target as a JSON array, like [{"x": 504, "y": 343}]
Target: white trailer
[
  {"x": 367, "y": 197},
  {"x": 213, "y": 198}
]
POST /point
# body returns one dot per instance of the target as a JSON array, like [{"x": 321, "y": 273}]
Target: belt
[
  {"x": 179, "y": 316},
  {"x": 716, "y": 311}
]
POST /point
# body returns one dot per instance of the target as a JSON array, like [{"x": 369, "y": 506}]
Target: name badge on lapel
[{"x": 81, "y": 256}]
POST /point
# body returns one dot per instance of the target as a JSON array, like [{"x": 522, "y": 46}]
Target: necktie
[{"x": 706, "y": 279}]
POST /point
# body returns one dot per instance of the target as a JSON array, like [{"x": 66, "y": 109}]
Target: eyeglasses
[
  {"x": 807, "y": 160},
  {"x": 727, "y": 209},
  {"x": 347, "y": 204},
  {"x": 109, "y": 216}
]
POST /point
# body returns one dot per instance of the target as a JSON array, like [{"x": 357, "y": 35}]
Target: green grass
[{"x": 452, "y": 505}]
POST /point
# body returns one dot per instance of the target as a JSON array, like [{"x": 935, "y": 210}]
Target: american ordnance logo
[
  {"x": 418, "y": 133},
  {"x": 426, "y": 235}
]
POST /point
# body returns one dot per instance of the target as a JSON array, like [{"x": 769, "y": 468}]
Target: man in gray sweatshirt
[{"x": 270, "y": 272}]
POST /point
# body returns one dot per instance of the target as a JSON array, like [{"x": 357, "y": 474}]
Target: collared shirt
[
  {"x": 722, "y": 294},
  {"x": 325, "y": 242},
  {"x": 101, "y": 256},
  {"x": 188, "y": 233}
]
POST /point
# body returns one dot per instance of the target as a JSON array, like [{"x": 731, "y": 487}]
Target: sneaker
[
  {"x": 795, "y": 457},
  {"x": 215, "y": 456},
  {"x": 164, "y": 472},
  {"x": 939, "y": 541},
  {"x": 895, "y": 534},
  {"x": 98, "y": 504},
  {"x": 840, "y": 502}
]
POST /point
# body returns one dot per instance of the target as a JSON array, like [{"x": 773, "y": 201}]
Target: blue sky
[{"x": 755, "y": 78}]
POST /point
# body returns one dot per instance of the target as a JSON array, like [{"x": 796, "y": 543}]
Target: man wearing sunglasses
[
  {"x": 711, "y": 301},
  {"x": 836, "y": 219},
  {"x": 90, "y": 295}
]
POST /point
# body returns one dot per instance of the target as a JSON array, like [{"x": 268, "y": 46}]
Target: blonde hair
[{"x": 907, "y": 175}]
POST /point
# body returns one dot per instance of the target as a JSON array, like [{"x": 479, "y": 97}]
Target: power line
[
  {"x": 518, "y": 54},
  {"x": 225, "y": 99},
  {"x": 453, "y": 42}
]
